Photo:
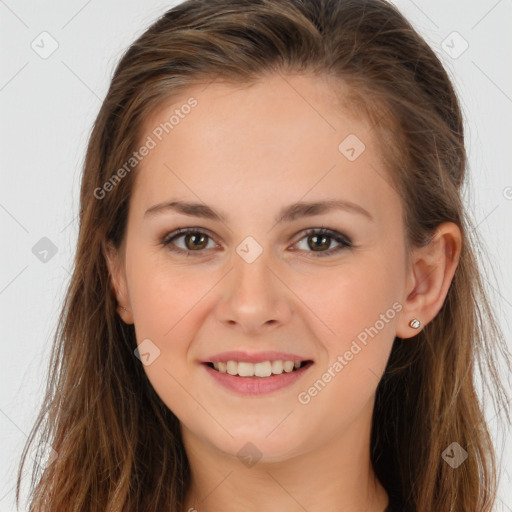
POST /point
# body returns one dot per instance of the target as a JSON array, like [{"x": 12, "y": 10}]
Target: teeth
[
  {"x": 264, "y": 369},
  {"x": 277, "y": 367},
  {"x": 288, "y": 366},
  {"x": 232, "y": 367}
]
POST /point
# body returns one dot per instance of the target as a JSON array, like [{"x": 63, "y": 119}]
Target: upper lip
[{"x": 255, "y": 357}]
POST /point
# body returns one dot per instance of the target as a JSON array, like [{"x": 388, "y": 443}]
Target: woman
[{"x": 275, "y": 301}]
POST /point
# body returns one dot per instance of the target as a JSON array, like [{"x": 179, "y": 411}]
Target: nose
[{"x": 255, "y": 298}]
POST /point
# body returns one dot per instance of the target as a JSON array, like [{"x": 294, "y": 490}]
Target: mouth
[
  {"x": 256, "y": 379},
  {"x": 260, "y": 370}
]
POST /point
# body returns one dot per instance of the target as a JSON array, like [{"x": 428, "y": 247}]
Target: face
[{"x": 254, "y": 274}]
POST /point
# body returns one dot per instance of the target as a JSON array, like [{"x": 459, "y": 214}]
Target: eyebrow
[{"x": 287, "y": 214}]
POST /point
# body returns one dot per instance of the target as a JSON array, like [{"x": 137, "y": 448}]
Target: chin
[{"x": 257, "y": 446}]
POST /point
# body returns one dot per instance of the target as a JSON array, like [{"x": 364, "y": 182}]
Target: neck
[{"x": 336, "y": 475}]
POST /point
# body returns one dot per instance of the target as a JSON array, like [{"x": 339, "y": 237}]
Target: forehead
[{"x": 283, "y": 136}]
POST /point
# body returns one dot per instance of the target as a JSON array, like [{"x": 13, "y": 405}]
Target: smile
[
  {"x": 263, "y": 369},
  {"x": 256, "y": 378}
]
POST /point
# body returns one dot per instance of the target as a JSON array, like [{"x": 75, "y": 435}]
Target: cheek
[
  {"x": 164, "y": 293},
  {"x": 166, "y": 301},
  {"x": 352, "y": 298},
  {"x": 360, "y": 307}
]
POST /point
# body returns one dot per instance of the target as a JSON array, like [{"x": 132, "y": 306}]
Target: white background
[{"x": 47, "y": 108}]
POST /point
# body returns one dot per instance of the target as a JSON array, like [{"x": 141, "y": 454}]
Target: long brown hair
[{"x": 118, "y": 446}]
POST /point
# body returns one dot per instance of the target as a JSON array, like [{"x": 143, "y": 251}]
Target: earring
[
  {"x": 415, "y": 323},
  {"x": 122, "y": 307}
]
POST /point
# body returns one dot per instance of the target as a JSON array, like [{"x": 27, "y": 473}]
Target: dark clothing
[{"x": 394, "y": 505}]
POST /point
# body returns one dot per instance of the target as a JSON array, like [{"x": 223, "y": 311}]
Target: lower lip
[{"x": 257, "y": 385}]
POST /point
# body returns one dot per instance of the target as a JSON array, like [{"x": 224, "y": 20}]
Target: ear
[
  {"x": 115, "y": 264},
  {"x": 429, "y": 277}
]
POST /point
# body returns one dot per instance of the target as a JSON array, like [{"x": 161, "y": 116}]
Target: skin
[{"x": 248, "y": 152}]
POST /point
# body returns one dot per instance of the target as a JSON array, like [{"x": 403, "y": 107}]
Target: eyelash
[{"x": 342, "y": 239}]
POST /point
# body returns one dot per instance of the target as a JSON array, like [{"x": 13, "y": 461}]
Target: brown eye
[
  {"x": 319, "y": 241},
  {"x": 194, "y": 240}
]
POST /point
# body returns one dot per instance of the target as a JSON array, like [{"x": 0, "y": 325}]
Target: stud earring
[{"x": 415, "y": 323}]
